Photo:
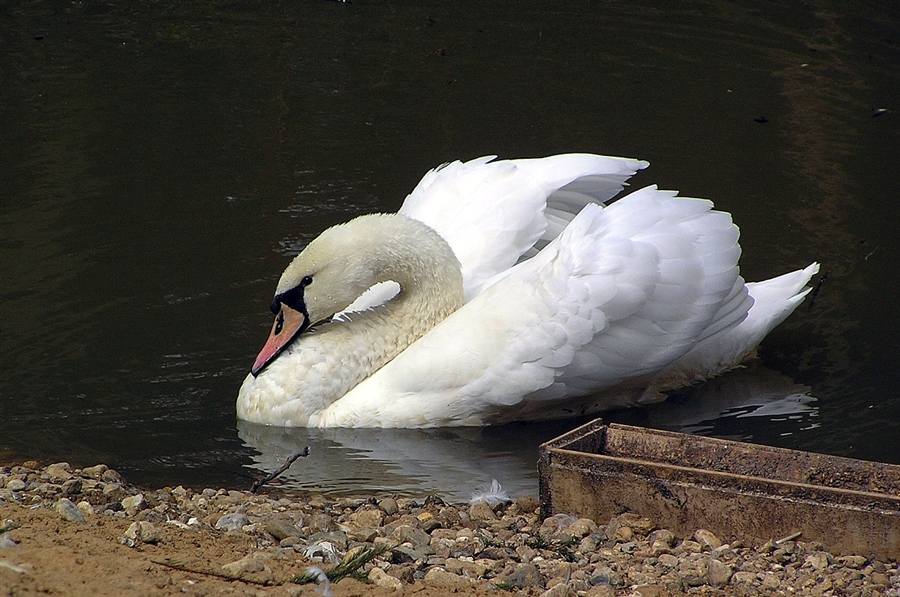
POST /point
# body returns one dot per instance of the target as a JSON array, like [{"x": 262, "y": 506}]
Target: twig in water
[
  {"x": 287, "y": 464},
  {"x": 815, "y": 292}
]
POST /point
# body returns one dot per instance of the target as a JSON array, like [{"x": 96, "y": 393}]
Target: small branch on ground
[
  {"x": 287, "y": 464},
  {"x": 185, "y": 567}
]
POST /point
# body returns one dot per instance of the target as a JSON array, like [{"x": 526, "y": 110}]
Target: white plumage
[{"x": 521, "y": 297}]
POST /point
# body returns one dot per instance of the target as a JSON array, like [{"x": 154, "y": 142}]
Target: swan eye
[{"x": 306, "y": 281}]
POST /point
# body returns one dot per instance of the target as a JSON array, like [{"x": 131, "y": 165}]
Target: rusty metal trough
[{"x": 737, "y": 490}]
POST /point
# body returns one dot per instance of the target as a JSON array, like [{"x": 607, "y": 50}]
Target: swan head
[{"x": 341, "y": 264}]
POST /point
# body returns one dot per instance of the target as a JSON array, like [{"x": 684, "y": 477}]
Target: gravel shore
[{"x": 234, "y": 542}]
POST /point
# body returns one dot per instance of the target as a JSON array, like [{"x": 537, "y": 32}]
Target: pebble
[
  {"x": 16, "y": 485},
  {"x": 481, "y": 510},
  {"x": 133, "y": 504},
  {"x": 69, "y": 511},
  {"x": 382, "y": 579},
  {"x": 707, "y": 539},
  {"x": 247, "y": 564},
  {"x": 718, "y": 573},
  {"x": 388, "y": 506},
  {"x": 142, "y": 532},
  {"x": 451, "y": 547},
  {"x": 232, "y": 522},
  {"x": 280, "y": 529},
  {"x": 524, "y": 576}
]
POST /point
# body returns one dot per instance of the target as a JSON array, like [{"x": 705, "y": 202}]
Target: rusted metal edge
[{"x": 850, "y": 512}]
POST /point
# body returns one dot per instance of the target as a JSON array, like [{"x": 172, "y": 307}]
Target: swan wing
[
  {"x": 622, "y": 293},
  {"x": 492, "y": 213}
]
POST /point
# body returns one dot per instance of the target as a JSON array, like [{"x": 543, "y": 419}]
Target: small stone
[
  {"x": 368, "y": 518},
  {"x": 380, "y": 578},
  {"x": 639, "y": 524},
  {"x": 58, "y": 473},
  {"x": 440, "y": 578},
  {"x": 668, "y": 560},
  {"x": 723, "y": 551},
  {"x": 580, "y": 528},
  {"x": 743, "y": 578},
  {"x": 281, "y": 529},
  {"x": 94, "y": 472},
  {"x": 245, "y": 565},
  {"x": 133, "y": 504},
  {"x": 524, "y": 576},
  {"x": 659, "y": 547},
  {"x": 428, "y": 522},
  {"x": 855, "y": 562},
  {"x": 466, "y": 568},
  {"x": 86, "y": 508},
  {"x": 690, "y": 546},
  {"x": 16, "y": 485},
  {"x": 69, "y": 511},
  {"x": 232, "y": 522},
  {"x": 389, "y": 506},
  {"x": 404, "y": 555},
  {"x": 770, "y": 581},
  {"x": 72, "y": 486},
  {"x": 600, "y": 591},
  {"x": 707, "y": 539},
  {"x": 481, "y": 510},
  {"x": 6, "y": 541},
  {"x": 560, "y": 590},
  {"x": 767, "y": 547},
  {"x": 498, "y": 553},
  {"x": 114, "y": 491},
  {"x": 111, "y": 476},
  {"x": 554, "y": 524},
  {"x": 144, "y": 532},
  {"x": 588, "y": 545},
  {"x": 290, "y": 542},
  {"x": 362, "y": 534},
  {"x": 819, "y": 560},
  {"x": 718, "y": 573},
  {"x": 604, "y": 575},
  {"x": 321, "y": 523},
  {"x": 417, "y": 537},
  {"x": 405, "y": 574},
  {"x": 467, "y": 547}
]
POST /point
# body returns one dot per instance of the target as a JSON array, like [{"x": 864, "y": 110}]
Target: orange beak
[{"x": 288, "y": 324}]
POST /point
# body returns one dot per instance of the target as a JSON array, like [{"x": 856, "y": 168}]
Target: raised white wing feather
[{"x": 492, "y": 213}]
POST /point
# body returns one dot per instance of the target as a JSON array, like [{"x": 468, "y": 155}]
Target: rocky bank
[{"x": 170, "y": 541}]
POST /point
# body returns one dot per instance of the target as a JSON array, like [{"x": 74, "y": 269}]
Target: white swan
[{"x": 521, "y": 297}]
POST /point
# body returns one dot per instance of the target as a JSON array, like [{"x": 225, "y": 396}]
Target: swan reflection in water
[{"x": 454, "y": 463}]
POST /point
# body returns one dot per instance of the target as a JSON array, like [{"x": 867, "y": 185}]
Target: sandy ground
[{"x": 58, "y": 557}]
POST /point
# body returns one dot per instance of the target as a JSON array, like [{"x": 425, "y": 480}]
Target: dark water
[{"x": 160, "y": 162}]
